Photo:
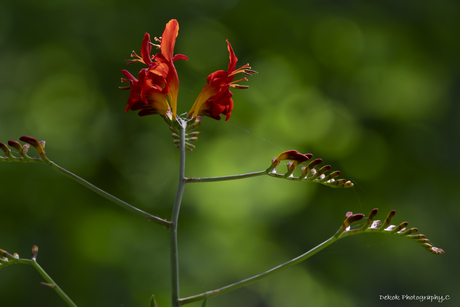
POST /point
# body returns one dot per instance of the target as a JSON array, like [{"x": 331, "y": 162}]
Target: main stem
[{"x": 175, "y": 294}]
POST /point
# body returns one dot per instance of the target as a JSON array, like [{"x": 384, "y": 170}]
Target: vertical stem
[{"x": 175, "y": 294}]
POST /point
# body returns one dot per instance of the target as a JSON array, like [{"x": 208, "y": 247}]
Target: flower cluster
[{"x": 156, "y": 88}]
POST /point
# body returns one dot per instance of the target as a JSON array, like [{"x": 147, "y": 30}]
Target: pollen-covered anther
[
  {"x": 155, "y": 45},
  {"x": 250, "y": 72},
  {"x": 239, "y": 86}
]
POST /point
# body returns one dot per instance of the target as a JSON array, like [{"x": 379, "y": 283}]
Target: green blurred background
[{"x": 372, "y": 88}]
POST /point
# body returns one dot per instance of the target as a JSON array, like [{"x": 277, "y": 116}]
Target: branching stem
[
  {"x": 110, "y": 197},
  {"x": 49, "y": 281},
  {"x": 258, "y": 277},
  {"x": 226, "y": 178}
]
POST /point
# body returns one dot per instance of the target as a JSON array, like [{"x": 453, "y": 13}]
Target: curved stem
[
  {"x": 258, "y": 277},
  {"x": 225, "y": 178},
  {"x": 108, "y": 196},
  {"x": 174, "y": 256}
]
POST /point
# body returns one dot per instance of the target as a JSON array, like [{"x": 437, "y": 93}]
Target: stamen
[
  {"x": 134, "y": 54},
  {"x": 242, "y": 69},
  {"x": 243, "y": 79},
  {"x": 155, "y": 45},
  {"x": 239, "y": 87}
]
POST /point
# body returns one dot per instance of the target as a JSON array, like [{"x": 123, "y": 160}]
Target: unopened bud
[
  {"x": 410, "y": 231},
  {"x": 351, "y": 218},
  {"x": 310, "y": 168},
  {"x": 16, "y": 145},
  {"x": 192, "y": 139},
  {"x": 5, "y": 149},
  {"x": 372, "y": 214},
  {"x": 25, "y": 148},
  {"x": 194, "y": 134},
  {"x": 290, "y": 169},
  {"x": 189, "y": 147},
  {"x": 436, "y": 250},
  {"x": 36, "y": 144},
  {"x": 389, "y": 218},
  {"x": 175, "y": 135},
  {"x": 194, "y": 125},
  {"x": 348, "y": 184},
  {"x": 323, "y": 170},
  {"x": 376, "y": 224},
  {"x": 399, "y": 228},
  {"x": 4, "y": 254},
  {"x": 34, "y": 252}
]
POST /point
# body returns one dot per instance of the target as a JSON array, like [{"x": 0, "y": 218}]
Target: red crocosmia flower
[
  {"x": 155, "y": 90},
  {"x": 216, "y": 98}
]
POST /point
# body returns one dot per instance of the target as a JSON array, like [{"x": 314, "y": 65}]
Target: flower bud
[
  {"x": 296, "y": 157},
  {"x": 390, "y": 217},
  {"x": 16, "y": 145},
  {"x": 310, "y": 167},
  {"x": 36, "y": 144},
  {"x": 34, "y": 252}
]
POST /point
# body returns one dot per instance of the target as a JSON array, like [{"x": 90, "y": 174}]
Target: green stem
[
  {"x": 258, "y": 277},
  {"x": 49, "y": 281},
  {"x": 108, "y": 196},
  {"x": 225, "y": 178},
  {"x": 174, "y": 255}
]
